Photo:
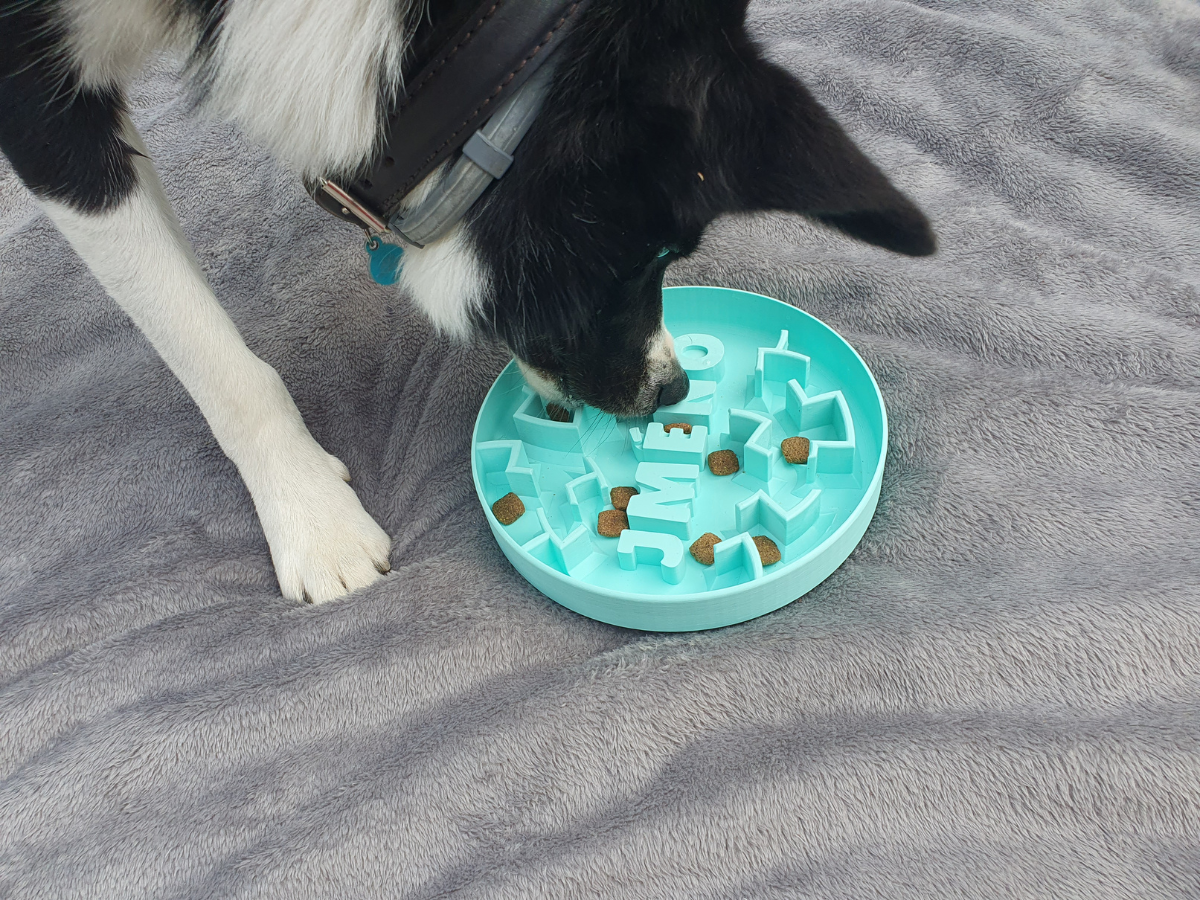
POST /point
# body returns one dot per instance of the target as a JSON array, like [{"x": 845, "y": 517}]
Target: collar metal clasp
[{"x": 351, "y": 207}]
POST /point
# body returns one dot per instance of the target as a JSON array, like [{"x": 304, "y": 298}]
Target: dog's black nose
[{"x": 674, "y": 391}]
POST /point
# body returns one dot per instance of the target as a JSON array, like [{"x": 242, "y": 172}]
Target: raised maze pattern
[{"x": 563, "y": 472}]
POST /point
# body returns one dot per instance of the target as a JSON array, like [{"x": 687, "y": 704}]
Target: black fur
[
  {"x": 664, "y": 115},
  {"x": 63, "y": 140}
]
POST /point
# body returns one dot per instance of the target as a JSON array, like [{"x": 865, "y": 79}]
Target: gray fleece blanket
[{"x": 997, "y": 695}]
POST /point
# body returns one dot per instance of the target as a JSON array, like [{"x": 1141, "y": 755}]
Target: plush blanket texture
[{"x": 997, "y": 695}]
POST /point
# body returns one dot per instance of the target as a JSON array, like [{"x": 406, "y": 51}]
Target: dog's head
[{"x": 662, "y": 116}]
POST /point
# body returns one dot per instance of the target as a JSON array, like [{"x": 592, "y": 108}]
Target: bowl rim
[{"x": 869, "y": 498}]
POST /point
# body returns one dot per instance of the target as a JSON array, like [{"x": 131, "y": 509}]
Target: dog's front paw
[
  {"x": 323, "y": 543},
  {"x": 327, "y": 545}
]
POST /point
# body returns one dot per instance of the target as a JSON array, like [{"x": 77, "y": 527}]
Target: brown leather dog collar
[{"x": 502, "y": 44}]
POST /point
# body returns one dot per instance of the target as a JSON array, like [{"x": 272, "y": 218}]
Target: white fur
[
  {"x": 109, "y": 40},
  {"x": 660, "y": 358},
  {"x": 661, "y": 366},
  {"x": 322, "y": 541},
  {"x": 541, "y": 383},
  {"x": 304, "y": 76},
  {"x": 447, "y": 281}
]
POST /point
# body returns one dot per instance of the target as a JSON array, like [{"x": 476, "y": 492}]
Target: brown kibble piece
[
  {"x": 612, "y": 522},
  {"x": 795, "y": 450},
  {"x": 557, "y": 413},
  {"x": 508, "y": 509},
  {"x": 723, "y": 462},
  {"x": 620, "y": 497},
  {"x": 702, "y": 548},
  {"x": 687, "y": 429},
  {"x": 768, "y": 551}
]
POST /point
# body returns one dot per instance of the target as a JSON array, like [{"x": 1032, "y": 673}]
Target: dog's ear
[{"x": 780, "y": 150}]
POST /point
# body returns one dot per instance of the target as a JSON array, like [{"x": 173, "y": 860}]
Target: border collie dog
[{"x": 660, "y": 115}]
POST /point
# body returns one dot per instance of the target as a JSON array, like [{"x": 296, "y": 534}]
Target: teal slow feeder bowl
[{"x": 761, "y": 371}]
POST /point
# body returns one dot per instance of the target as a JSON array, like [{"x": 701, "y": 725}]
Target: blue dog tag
[{"x": 386, "y": 260}]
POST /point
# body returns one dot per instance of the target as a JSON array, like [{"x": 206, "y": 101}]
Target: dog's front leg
[{"x": 323, "y": 543}]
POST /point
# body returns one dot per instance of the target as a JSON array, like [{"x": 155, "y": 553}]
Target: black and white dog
[{"x": 661, "y": 115}]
